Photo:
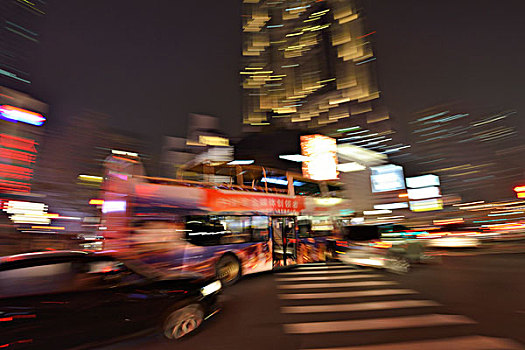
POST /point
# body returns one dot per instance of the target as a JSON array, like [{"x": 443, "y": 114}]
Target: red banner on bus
[{"x": 220, "y": 201}]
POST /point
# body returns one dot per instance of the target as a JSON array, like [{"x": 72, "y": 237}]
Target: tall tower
[
  {"x": 308, "y": 64},
  {"x": 19, "y": 38}
]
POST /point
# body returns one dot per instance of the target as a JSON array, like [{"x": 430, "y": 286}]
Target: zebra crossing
[{"x": 336, "y": 307}]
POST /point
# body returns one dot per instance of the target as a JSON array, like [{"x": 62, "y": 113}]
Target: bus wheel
[{"x": 228, "y": 269}]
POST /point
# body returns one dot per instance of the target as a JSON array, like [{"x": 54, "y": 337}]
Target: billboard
[
  {"x": 422, "y": 181},
  {"x": 424, "y": 192},
  {"x": 322, "y": 157},
  {"x": 426, "y": 205},
  {"x": 387, "y": 178}
]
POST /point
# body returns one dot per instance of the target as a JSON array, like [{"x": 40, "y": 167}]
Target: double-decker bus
[{"x": 255, "y": 219}]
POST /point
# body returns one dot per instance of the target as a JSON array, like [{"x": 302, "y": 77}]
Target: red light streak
[
  {"x": 24, "y": 316},
  {"x": 7, "y": 96},
  {"x": 364, "y": 36},
  {"x": 15, "y": 172},
  {"x": 19, "y": 143},
  {"x": 17, "y": 155},
  {"x": 8, "y": 186},
  {"x": 519, "y": 189},
  {"x": 54, "y": 302}
]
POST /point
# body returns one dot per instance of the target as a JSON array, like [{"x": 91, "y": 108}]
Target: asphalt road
[{"x": 466, "y": 302}]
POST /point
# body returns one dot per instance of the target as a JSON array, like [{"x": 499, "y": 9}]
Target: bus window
[
  {"x": 305, "y": 227},
  {"x": 204, "y": 230},
  {"x": 259, "y": 228},
  {"x": 237, "y": 229},
  {"x": 217, "y": 230},
  {"x": 322, "y": 226}
]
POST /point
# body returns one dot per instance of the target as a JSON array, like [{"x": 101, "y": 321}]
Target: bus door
[{"x": 284, "y": 241}]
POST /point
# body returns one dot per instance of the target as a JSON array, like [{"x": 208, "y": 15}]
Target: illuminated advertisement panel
[
  {"x": 426, "y": 205},
  {"x": 422, "y": 181},
  {"x": 17, "y": 159},
  {"x": 387, "y": 178},
  {"x": 424, "y": 192},
  {"x": 322, "y": 157}
]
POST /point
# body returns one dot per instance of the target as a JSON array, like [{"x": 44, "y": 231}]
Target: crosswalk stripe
[
  {"x": 326, "y": 278},
  {"x": 322, "y": 272},
  {"x": 336, "y": 285},
  {"x": 356, "y": 294},
  {"x": 475, "y": 342},
  {"x": 377, "y": 324},
  {"x": 377, "y": 305}
]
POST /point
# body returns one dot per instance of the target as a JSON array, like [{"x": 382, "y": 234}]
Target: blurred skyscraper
[
  {"x": 475, "y": 153},
  {"x": 79, "y": 148},
  {"x": 204, "y": 142},
  {"x": 20, "y": 22},
  {"x": 309, "y": 65}
]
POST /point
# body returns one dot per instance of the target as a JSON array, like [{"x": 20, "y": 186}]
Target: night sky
[{"x": 149, "y": 63}]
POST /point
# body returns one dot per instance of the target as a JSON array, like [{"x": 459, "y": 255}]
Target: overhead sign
[
  {"x": 387, "y": 178},
  {"x": 422, "y": 181},
  {"x": 322, "y": 157}
]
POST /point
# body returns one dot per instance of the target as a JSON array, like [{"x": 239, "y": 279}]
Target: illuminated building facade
[
  {"x": 475, "y": 154},
  {"x": 204, "y": 142},
  {"x": 79, "y": 148},
  {"x": 20, "y": 22},
  {"x": 309, "y": 65}
]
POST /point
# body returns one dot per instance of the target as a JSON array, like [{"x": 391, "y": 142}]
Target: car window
[
  {"x": 64, "y": 275},
  {"x": 95, "y": 274},
  {"x": 39, "y": 279}
]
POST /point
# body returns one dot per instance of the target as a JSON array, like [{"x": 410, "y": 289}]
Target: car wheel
[
  {"x": 228, "y": 270},
  {"x": 183, "y": 321}
]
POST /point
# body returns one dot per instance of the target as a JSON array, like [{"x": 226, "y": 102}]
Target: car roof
[{"x": 43, "y": 255}]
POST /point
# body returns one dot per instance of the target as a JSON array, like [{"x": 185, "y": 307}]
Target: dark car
[{"x": 62, "y": 299}]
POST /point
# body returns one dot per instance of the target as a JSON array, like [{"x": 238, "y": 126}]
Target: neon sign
[
  {"x": 14, "y": 114},
  {"x": 17, "y": 156},
  {"x": 321, "y": 153}
]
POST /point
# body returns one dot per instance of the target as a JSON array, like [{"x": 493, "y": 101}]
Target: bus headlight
[{"x": 211, "y": 288}]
